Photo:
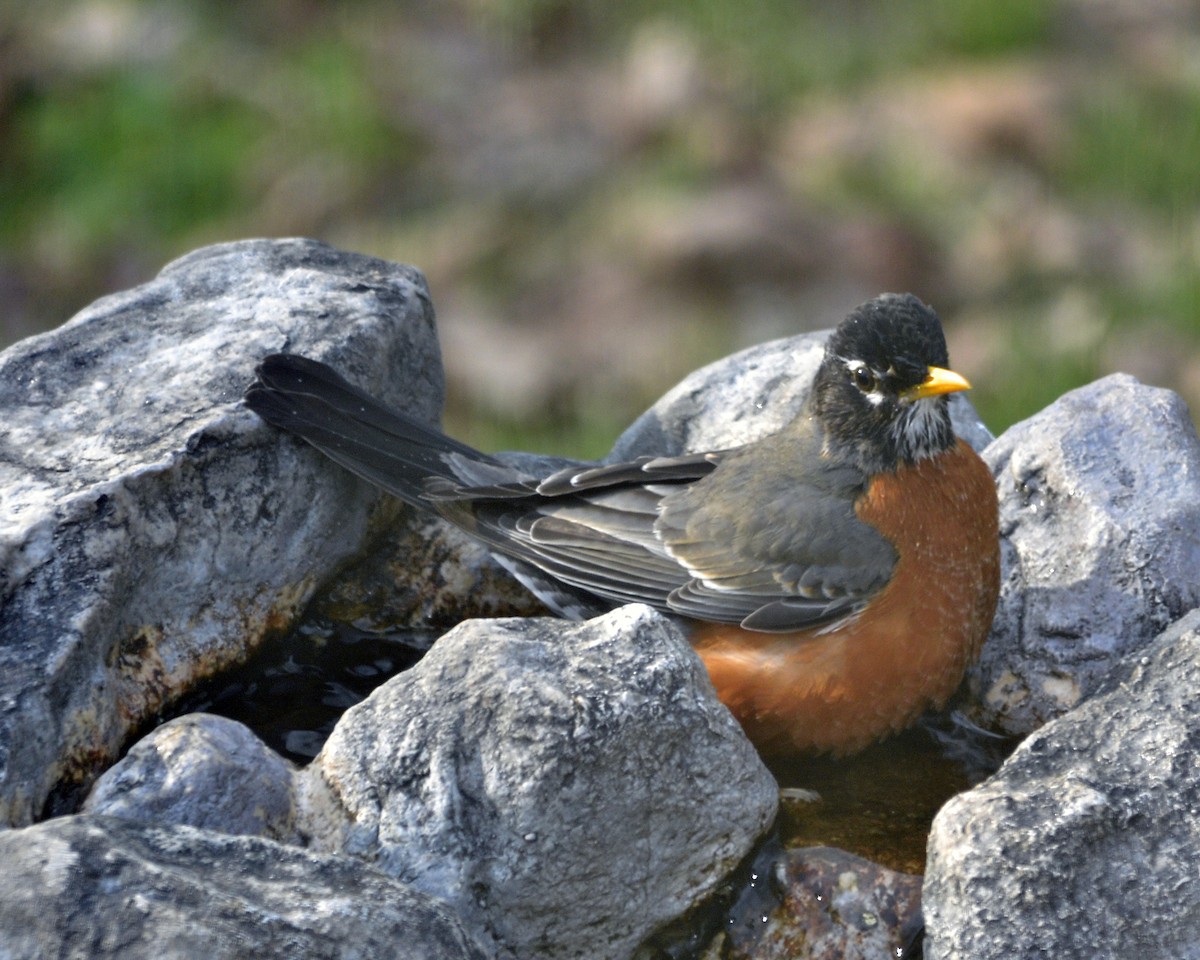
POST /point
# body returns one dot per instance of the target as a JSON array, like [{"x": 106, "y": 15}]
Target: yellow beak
[{"x": 936, "y": 382}]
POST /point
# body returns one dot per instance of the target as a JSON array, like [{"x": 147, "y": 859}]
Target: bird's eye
[{"x": 864, "y": 379}]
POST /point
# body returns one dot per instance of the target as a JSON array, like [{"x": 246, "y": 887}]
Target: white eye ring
[{"x": 864, "y": 377}]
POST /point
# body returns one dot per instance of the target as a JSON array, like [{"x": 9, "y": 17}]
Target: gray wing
[
  {"x": 590, "y": 527},
  {"x": 774, "y": 545},
  {"x": 715, "y": 536}
]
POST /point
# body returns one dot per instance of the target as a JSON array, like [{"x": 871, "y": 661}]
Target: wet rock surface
[
  {"x": 1085, "y": 843},
  {"x": 202, "y": 771},
  {"x": 825, "y": 904},
  {"x": 86, "y": 886},
  {"x": 1100, "y": 546}
]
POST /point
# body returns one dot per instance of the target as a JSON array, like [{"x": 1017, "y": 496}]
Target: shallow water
[
  {"x": 294, "y": 688},
  {"x": 878, "y": 804}
]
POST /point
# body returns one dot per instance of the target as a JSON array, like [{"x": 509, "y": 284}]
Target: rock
[
  {"x": 824, "y": 903},
  {"x": 202, "y": 771},
  {"x": 83, "y": 887},
  {"x": 1085, "y": 843},
  {"x": 746, "y": 396},
  {"x": 567, "y": 788},
  {"x": 152, "y": 529},
  {"x": 1100, "y": 545}
]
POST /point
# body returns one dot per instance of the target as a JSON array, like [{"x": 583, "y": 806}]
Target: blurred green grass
[
  {"x": 1138, "y": 139},
  {"x": 129, "y": 156},
  {"x": 775, "y": 49},
  {"x": 503, "y": 148}
]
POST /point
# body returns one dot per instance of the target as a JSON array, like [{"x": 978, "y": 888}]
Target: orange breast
[{"x": 840, "y": 689}]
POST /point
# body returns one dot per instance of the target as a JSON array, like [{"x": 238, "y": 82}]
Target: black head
[{"x": 880, "y": 393}]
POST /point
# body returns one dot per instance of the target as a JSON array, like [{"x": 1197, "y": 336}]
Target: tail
[{"x": 386, "y": 447}]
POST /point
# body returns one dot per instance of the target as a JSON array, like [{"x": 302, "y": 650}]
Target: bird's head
[{"x": 881, "y": 390}]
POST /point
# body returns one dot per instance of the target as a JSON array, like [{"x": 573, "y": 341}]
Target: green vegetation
[
  {"x": 128, "y": 156},
  {"x": 1138, "y": 140},
  {"x": 780, "y": 49}
]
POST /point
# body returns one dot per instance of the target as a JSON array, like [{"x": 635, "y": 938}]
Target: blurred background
[{"x": 606, "y": 195}]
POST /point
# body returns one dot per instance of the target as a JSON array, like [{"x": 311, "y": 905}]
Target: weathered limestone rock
[
  {"x": 824, "y": 904},
  {"x": 422, "y": 573},
  {"x": 1100, "y": 545},
  {"x": 83, "y": 887},
  {"x": 1085, "y": 843},
  {"x": 203, "y": 771},
  {"x": 568, "y": 788}
]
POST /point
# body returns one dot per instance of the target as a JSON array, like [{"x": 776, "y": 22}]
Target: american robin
[{"x": 836, "y": 578}]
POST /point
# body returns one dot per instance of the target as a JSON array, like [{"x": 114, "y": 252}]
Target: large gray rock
[
  {"x": 150, "y": 528},
  {"x": 77, "y": 888},
  {"x": 203, "y": 771},
  {"x": 1100, "y": 545},
  {"x": 568, "y": 788},
  {"x": 1085, "y": 844}
]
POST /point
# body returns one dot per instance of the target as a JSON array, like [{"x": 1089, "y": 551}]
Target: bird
[{"x": 836, "y": 578}]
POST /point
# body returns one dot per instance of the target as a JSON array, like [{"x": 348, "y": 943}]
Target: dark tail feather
[{"x": 380, "y": 445}]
